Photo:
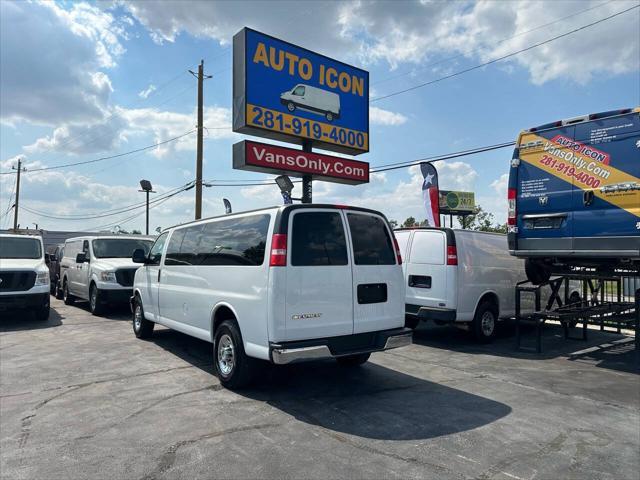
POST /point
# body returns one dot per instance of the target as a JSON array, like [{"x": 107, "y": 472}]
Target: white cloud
[
  {"x": 53, "y": 61},
  {"x": 378, "y": 116},
  {"x": 147, "y": 91}
]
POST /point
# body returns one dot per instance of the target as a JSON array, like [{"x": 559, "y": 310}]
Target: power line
[
  {"x": 444, "y": 60},
  {"x": 475, "y": 67},
  {"x": 109, "y": 157}
]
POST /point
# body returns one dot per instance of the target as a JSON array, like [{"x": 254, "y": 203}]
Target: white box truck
[{"x": 312, "y": 99}]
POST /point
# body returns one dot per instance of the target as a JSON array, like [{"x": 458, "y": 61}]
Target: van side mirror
[
  {"x": 139, "y": 256},
  {"x": 81, "y": 258}
]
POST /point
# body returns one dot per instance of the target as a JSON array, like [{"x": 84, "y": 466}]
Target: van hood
[
  {"x": 114, "y": 263},
  {"x": 22, "y": 264}
]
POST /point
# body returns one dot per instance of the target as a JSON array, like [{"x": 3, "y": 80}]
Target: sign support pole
[
  {"x": 16, "y": 204},
  {"x": 307, "y": 186}
]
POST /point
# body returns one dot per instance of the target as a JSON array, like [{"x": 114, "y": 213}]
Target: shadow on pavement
[
  {"x": 554, "y": 345},
  {"x": 17, "y": 320},
  {"x": 370, "y": 401}
]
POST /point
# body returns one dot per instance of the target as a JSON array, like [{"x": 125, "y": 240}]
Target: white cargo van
[
  {"x": 281, "y": 284},
  {"x": 99, "y": 269},
  {"x": 312, "y": 99},
  {"x": 24, "y": 276},
  {"x": 459, "y": 276}
]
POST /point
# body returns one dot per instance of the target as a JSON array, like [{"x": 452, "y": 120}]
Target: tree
[
  {"x": 393, "y": 223},
  {"x": 409, "y": 222},
  {"x": 481, "y": 221},
  {"x": 136, "y": 232}
]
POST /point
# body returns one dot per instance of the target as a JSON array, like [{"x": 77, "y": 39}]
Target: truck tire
[
  {"x": 485, "y": 321},
  {"x": 537, "y": 272},
  {"x": 58, "y": 292},
  {"x": 66, "y": 296},
  {"x": 95, "y": 300},
  {"x": 291, "y": 107},
  {"x": 142, "y": 327},
  {"x": 353, "y": 360},
  {"x": 42, "y": 313},
  {"x": 234, "y": 368}
]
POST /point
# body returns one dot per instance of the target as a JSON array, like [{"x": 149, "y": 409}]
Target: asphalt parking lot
[{"x": 81, "y": 397}]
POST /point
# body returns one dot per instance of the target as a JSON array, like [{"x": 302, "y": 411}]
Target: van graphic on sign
[{"x": 312, "y": 99}]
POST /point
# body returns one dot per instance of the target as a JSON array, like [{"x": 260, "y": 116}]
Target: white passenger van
[
  {"x": 459, "y": 276},
  {"x": 99, "y": 269},
  {"x": 24, "y": 276},
  {"x": 312, "y": 99},
  {"x": 281, "y": 284}
]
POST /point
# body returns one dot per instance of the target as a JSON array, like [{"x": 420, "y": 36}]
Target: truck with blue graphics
[{"x": 574, "y": 194}]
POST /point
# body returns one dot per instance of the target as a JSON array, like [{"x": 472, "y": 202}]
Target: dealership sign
[
  {"x": 262, "y": 157},
  {"x": 454, "y": 202},
  {"x": 287, "y": 93}
]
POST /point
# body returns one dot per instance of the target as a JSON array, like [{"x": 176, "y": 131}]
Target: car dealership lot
[{"x": 82, "y": 398}]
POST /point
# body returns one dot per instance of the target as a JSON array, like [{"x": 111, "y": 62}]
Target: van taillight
[
  {"x": 397, "y": 247},
  {"x": 278, "y": 250},
  {"x": 452, "y": 255},
  {"x": 511, "y": 208}
]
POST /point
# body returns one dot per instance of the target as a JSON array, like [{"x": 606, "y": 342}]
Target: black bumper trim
[
  {"x": 23, "y": 300},
  {"x": 431, "y": 313}
]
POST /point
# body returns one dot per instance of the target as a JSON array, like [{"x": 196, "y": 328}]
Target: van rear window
[
  {"x": 318, "y": 239},
  {"x": 372, "y": 244}
]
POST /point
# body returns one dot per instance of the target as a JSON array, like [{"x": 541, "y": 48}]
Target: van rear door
[
  {"x": 427, "y": 271},
  {"x": 319, "y": 294},
  {"x": 545, "y": 190},
  {"x": 377, "y": 278},
  {"x": 606, "y": 195}
]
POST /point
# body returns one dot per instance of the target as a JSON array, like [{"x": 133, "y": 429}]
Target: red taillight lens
[
  {"x": 452, "y": 255},
  {"x": 397, "y": 247},
  {"x": 511, "y": 208},
  {"x": 278, "y": 250}
]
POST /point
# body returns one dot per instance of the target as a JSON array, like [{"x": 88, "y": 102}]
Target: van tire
[
  {"x": 66, "y": 296},
  {"x": 537, "y": 272},
  {"x": 235, "y": 371},
  {"x": 411, "y": 321},
  {"x": 485, "y": 322},
  {"x": 142, "y": 328},
  {"x": 329, "y": 116},
  {"x": 353, "y": 360},
  {"x": 58, "y": 291},
  {"x": 291, "y": 107},
  {"x": 95, "y": 300}
]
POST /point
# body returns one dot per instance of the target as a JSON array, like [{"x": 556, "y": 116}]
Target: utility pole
[
  {"x": 201, "y": 77},
  {"x": 16, "y": 205},
  {"x": 307, "y": 186}
]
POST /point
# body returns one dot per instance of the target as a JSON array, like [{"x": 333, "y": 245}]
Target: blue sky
[{"x": 74, "y": 90}]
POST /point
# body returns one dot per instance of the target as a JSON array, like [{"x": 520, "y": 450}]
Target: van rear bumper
[
  {"x": 333, "y": 347},
  {"x": 431, "y": 313}
]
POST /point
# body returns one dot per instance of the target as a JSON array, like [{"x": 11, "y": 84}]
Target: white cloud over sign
[
  {"x": 147, "y": 91},
  {"x": 53, "y": 61},
  {"x": 379, "y": 116}
]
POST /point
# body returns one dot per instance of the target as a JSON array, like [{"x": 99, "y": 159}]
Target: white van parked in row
[
  {"x": 24, "y": 276},
  {"x": 280, "y": 284},
  {"x": 99, "y": 269},
  {"x": 312, "y": 99},
  {"x": 459, "y": 276}
]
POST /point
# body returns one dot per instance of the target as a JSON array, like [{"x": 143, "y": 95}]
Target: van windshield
[
  {"x": 12, "y": 247},
  {"x": 119, "y": 247}
]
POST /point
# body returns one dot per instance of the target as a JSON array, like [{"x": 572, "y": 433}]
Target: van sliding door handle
[
  {"x": 587, "y": 198},
  {"x": 159, "y": 275}
]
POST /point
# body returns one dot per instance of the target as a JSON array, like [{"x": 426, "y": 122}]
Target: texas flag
[{"x": 430, "y": 196}]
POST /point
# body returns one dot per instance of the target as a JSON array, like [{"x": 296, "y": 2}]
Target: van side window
[
  {"x": 428, "y": 248},
  {"x": 318, "y": 239},
  {"x": 372, "y": 244},
  {"x": 299, "y": 91},
  {"x": 234, "y": 241},
  {"x": 155, "y": 254},
  {"x": 173, "y": 249}
]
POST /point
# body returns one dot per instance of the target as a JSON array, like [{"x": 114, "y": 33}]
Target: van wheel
[
  {"x": 58, "y": 292},
  {"x": 329, "y": 116},
  {"x": 485, "y": 322},
  {"x": 353, "y": 360},
  {"x": 142, "y": 327},
  {"x": 95, "y": 301},
  {"x": 537, "y": 272},
  {"x": 66, "y": 296},
  {"x": 42, "y": 313},
  {"x": 411, "y": 321},
  {"x": 233, "y": 366},
  {"x": 291, "y": 106}
]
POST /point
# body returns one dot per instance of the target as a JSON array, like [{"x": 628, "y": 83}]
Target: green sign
[{"x": 457, "y": 203}]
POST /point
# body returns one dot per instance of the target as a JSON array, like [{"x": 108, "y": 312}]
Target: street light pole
[{"x": 146, "y": 187}]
